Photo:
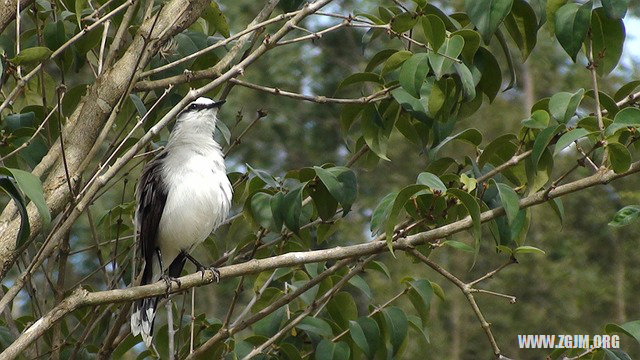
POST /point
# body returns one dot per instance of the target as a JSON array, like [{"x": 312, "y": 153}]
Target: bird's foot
[
  {"x": 168, "y": 280},
  {"x": 213, "y": 269}
]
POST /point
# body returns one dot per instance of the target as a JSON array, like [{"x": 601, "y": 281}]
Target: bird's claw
[
  {"x": 167, "y": 280},
  {"x": 214, "y": 270}
]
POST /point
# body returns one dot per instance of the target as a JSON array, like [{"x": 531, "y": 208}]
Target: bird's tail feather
[{"x": 144, "y": 311}]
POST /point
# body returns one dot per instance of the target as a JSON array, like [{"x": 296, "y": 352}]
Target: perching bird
[{"x": 183, "y": 194}]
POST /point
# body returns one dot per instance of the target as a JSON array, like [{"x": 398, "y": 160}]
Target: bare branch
[{"x": 377, "y": 96}]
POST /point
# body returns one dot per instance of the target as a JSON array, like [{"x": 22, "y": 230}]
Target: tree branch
[{"x": 82, "y": 297}]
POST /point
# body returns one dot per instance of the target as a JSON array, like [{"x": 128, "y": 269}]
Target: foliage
[{"x": 429, "y": 70}]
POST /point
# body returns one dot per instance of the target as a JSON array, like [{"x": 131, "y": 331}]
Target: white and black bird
[{"x": 183, "y": 195}]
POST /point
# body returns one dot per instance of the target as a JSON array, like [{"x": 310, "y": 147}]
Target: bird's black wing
[{"x": 151, "y": 197}]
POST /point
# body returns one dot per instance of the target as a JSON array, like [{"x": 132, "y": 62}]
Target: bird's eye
[{"x": 193, "y": 107}]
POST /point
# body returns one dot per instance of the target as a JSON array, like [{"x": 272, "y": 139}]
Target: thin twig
[
  {"x": 28, "y": 142},
  {"x": 260, "y": 114}
]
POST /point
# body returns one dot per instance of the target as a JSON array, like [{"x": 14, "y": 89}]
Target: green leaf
[
  {"x": 360, "y": 77},
  {"x": 420, "y": 294},
  {"x": 551, "y": 9},
  {"x": 491, "y": 78},
  {"x": 628, "y": 117},
  {"x": 371, "y": 332},
  {"x": 219, "y": 20},
  {"x": 568, "y": 138},
  {"x": 137, "y": 102},
  {"x": 500, "y": 147},
  {"x": 394, "y": 61},
  {"x": 487, "y": 15},
  {"x": 379, "y": 58},
  {"x": 619, "y": 156},
  {"x": 78, "y": 7},
  {"x": 398, "y": 204},
  {"x": 538, "y": 120},
  {"x": 328, "y": 350},
  {"x": 442, "y": 60},
  {"x": 459, "y": 245},
  {"x": 361, "y": 285},
  {"x": 381, "y": 213},
  {"x": 32, "y": 188},
  {"x": 341, "y": 183},
  {"x": 434, "y": 30},
  {"x": 404, "y": 22},
  {"x": 626, "y": 90},
  {"x": 396, "y": 326},
  {"x": 54, "y": 34},
  {"x": 522, "y": 25},
  {"x": 558, "y": 208},
  {"x": 292, "y": 205},
  {"x": 563, "y": 105},
  {"x": 466, "y": 79},
  {"x": 471, "y": 136},
  {"x": 528, "y": 250},
  {"x": 7, "y": 184},
  {"x": 413, "y": 73},
  {"x": 616, "y": 9},
  {"x": 471, "y": 204},
  {"x": 608, "y": 40},
  {"x": 437, "y": 289},
  {"x": 342, "y": 308},
  {"x": 359, "y": 338},
  {"x": 410, "y": 104},
  {"x": 616, "y": 354},
  {"x": 510, "y": 201},
  {"x": 30, "y": 55},
  {"x": 316, "y": 326},
  {"x": 542, "y": 141},
  {"x": 571, "y": 25},
  {"x": 379, "y": 266},
  {"x": 471, "y": 44},
  {"x": 432, "y": 181},
  {"x": 625, "y": 216},
  {"x": 631, "y": 328}
]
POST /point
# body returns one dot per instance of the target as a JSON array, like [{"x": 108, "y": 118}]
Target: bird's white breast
[{"x": 198, "y": 199}]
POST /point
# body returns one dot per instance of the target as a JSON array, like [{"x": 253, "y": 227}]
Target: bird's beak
[{"x": 217, "y": 104}]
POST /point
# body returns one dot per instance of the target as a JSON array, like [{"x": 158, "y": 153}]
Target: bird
[{"x": 182, "y": 195}]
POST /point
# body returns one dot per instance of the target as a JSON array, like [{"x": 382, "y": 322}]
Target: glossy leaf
[
  {"x": 522, "y": 25},
  {"x": 626, "y": 90},
  {"x": 487, "y": 15},
  {"x": 420, "y": 294},
  {"x": 491, "y": 79},
  {"x": 539, "y": 119},
  {"x": 540, "y": 144},
  {"x": 528, "y": 250},
  {"x": 341, "y": 183},
  {"x": 315, "y": 326},
  {"x": 466, "y": 79},
  {"x": 413, "y": 73},
  {"x": 396, "y": 326},
  {"x": 616, "y": 9},
  {"x": 608, "y": 40},
  {"x": 395, "y": 61},
  {"x": 381, "y": 213},
  {"x": 510, "y": 201},
  {"x": 628, "y": 117},
  {"x": 459, "y": 245},
  {"x": 568, "y": 138},
  {"x": 441, "y": 60},
  {"x": 292, "y": 206},
  {"x": 404, "y": 22},
  {"x": 471, "y": 204},
  {"x": 367, "y": 328},
  {"x": 625, "y": 216},
  {"x": 471, "y": 136},
  {"x": 32, "y": 189},
  {"x": 359, "y": 78},
  {"x": 571, "y": 25},
  {"x": 631, "y": 328},
  {"x": 328, "y": 350},
  {"x": 434, "y": 30},
  {"x": 410, "y": 104},
  {"x": 563, "y": 105},
  {"x": 31, "y": 55},
  {"x": 619, "y": 156},
  {"x": 432, "y": 181},
  {"x": 398, "y": 204},
  {"x": 471, "y": 44},
  {"x": 7, "y": 184}
]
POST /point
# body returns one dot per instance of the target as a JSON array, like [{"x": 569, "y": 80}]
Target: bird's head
[{"x": 201, "y": 110}]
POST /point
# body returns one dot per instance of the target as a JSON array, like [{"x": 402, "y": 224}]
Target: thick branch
[{"x": 8, "y": 11}]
